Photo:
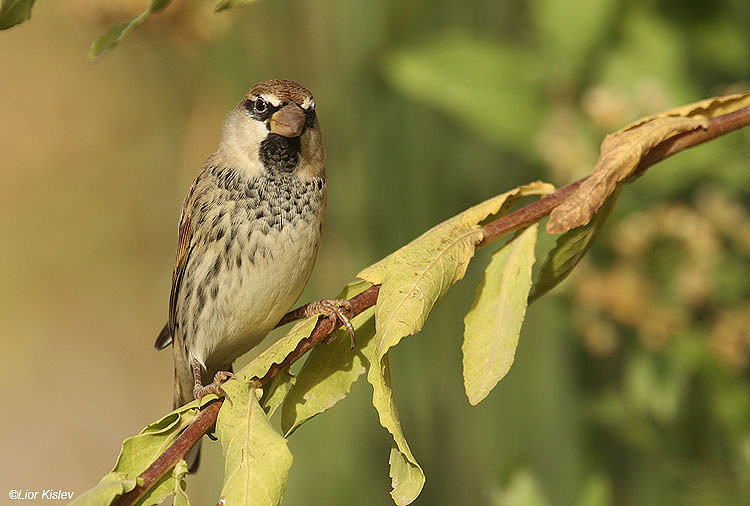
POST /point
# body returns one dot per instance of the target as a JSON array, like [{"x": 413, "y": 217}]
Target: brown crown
[{"x": 284, "y": 90}]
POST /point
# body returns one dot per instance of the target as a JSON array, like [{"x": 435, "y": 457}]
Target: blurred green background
[{"x": 631, "y": 384}]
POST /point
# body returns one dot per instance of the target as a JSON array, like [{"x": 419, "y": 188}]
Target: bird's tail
[{"x": 183, "y": 387}]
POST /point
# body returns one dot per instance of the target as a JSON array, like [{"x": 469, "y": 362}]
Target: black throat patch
[{"x": 279, "y": 154}]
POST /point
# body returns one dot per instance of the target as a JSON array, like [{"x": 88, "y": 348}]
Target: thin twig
[{"x": 493, "y": 230}]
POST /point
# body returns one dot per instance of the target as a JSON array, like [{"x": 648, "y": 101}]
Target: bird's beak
[{"x": 288, "y": 121}]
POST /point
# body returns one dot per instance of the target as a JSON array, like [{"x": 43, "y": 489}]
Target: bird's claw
[
  {"x": 336, "y": 310},
  {"x": 214, "y": 387}
]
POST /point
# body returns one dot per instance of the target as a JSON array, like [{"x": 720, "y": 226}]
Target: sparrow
[{"x": 248, "y": 236}]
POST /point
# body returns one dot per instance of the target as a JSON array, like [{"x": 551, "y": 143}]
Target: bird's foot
[
  {"x": 336, "y": 310},
  {"x": 199, "y": 390}
]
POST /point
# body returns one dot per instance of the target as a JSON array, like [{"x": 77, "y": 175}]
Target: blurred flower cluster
[
  {"x": 661, "y": 308},
  {"x": 668, "y": 273}
]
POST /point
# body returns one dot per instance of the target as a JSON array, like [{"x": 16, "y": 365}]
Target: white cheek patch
[
  {"x": 253, "y": 134},
  {"x": 247, "y": 133},
  {"x": 259, "y": 130},
  {"x": 240, "y": 140},
  {"x": 308, "y": 104}
]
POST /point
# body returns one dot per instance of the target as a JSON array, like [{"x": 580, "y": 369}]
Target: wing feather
[{"x": 185, "y": 246}]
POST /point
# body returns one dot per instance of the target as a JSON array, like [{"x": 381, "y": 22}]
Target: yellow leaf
[
  {"x": 407, "y": 477},
  {"x": 178, "y": 475},
  {"x": 256, "y": 457},
  {"x": 275, "y": 391},
  {"x": 276, "y": 353},
  {"x": 104, "y": 493},
  {"x": 493, "y": 324},
  {"x": 417, "y": 275}
]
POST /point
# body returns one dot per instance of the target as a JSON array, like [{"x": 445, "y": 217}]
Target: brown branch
[
  {"x": 172, "y": 455},
  {"x": 717, "y": 127},
  {"x": 527, "y": 215},
  {"x": 493, "y": 230},
  {"x": 323, "y": 329}
]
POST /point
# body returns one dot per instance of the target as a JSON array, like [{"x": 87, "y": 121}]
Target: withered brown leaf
[{"x": 622, "y": 151}]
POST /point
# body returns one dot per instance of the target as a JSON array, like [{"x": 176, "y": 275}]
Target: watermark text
[{"x": 49, "y": 494}]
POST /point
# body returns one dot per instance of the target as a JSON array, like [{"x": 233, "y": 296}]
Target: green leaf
[
  {"x": 491, "y": 88},
  {"x": 417, "y": 275},
  {"x": 111, "y": 486},
  {"x": 330, "y": 371},
  {"x": 115, "y": 34},
  {"x": 493, "y": 323},
  {"x": 407, "y": 477},
  {"x": 275, "y": 392},
  {"x": 256, "y": 457},
  {"x": 14, "y": 12},
  {"x": 228, "y": 4},
  {"x": 278, "y": 351},
  {"x": 178, "y": 477},
  {"x": 569, "y": 250}
]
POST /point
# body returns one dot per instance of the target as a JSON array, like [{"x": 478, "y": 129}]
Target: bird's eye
[{"x": 259, "y": 105}]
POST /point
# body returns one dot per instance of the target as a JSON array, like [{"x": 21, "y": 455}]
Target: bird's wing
[{"x": 185, "y": 244}]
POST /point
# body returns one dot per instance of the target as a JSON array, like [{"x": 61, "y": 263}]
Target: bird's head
[{"x": 275, "y": 128}]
